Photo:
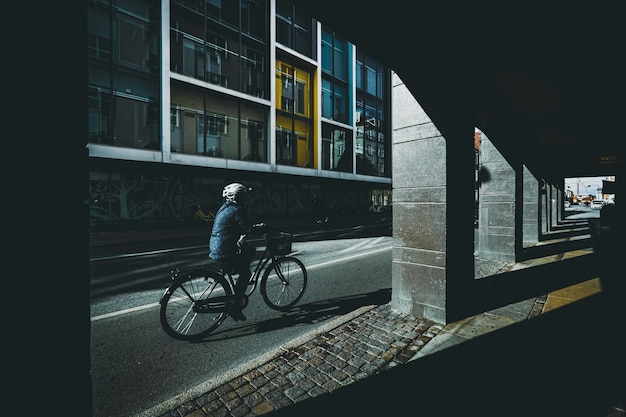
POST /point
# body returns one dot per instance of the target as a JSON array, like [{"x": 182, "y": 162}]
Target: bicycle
[
  {"x": 204, "y": 217},
  {"x": 200, "y": 297}
]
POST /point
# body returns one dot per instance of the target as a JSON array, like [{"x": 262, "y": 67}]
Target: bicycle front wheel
[
  {"x": 194, "y": 306},
  {"x": 283, "y": 283}
]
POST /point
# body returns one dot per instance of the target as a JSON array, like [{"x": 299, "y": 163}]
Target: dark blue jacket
[{"x": 231, "y": 221}]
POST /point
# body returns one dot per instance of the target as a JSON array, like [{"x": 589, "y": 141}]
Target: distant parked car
[
  {"x": 566, "y": 203},
  {"x": 587, "y": 200},
  {"x": 596, "y": 204}
]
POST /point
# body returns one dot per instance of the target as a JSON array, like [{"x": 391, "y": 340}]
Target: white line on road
[
  {"x": 125, "y": 311},
  {"x": 366, "y": 243}
]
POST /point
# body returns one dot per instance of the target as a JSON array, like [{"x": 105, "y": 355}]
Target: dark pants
[{"x": 240, "y": 264}]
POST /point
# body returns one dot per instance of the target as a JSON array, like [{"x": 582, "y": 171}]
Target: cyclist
[{"x": 226, "y": 242}]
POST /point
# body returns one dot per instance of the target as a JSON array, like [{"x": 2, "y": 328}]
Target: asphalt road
[{"x": 136, "y": 366}]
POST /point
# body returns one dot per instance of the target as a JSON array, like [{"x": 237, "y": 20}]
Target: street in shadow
[{"x": 310, "y": 313}]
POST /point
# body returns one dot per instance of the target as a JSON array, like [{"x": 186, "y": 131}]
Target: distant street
[{"x": 581, "y": 211}]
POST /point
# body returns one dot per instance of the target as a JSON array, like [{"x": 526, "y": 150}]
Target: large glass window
[
  {"x": 253, "y": 72},
  {"x": 224, "y": 11},
  {"x": 294, "y": 132},
  {"x": 372, "y": 134},
  {"x": 253, "y": 128},
  {"x": 123, "y": 91},
  {"x": 211, "y": 124},
  {"x": 295, "y": 29},
  {"x": 335, "y": 99},
  {"x": 223, "y": 44},
  {"x": 336, "y": 149},
  {"x": 254, "y": 18}
]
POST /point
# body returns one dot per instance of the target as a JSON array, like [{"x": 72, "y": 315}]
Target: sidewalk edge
[{"x": 210, "y": 385}]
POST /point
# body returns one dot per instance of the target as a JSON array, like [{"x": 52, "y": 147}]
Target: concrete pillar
[
  {"x": 496, "y": 205},
  {"x": 432, "y": 212},
  {"x": 554, "y": 214},
  {"x": 544, "y": 210},
  {"x": 530, "y": 208}
]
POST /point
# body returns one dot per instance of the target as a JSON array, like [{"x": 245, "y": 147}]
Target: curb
[{"x": 212, "y": 384}]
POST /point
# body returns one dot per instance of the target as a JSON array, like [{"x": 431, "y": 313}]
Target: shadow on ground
[
  {"x": 305, "y": 314},
  {"x": 568, "y": 362}
]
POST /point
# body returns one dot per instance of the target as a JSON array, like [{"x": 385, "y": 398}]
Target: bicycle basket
[{"x": 279, "y": 244}]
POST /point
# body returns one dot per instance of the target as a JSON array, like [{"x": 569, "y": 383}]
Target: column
[
  {"x": 496, "y": 205},
  {"x": 530, "y": 208},
  {"x": 433, "y": 211}
]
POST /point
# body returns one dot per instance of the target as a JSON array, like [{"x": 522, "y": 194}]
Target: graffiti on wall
[{"x": 135, "y": 198}]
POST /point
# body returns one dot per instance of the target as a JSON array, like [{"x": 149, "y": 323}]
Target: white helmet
[{"x": 231, "y": 191}]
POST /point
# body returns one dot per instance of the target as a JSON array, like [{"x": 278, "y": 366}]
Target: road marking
[
  {"x": 126, "y": 311},
  {"x": 367, "y": 243},
  {"x": 134, "y": 255},
  {"x": 308, "y": 268},
  {"x": 347, "y": 258}
]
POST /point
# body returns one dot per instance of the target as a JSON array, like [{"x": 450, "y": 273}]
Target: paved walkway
[
  {"x": 374, "y": 341},
  {"x": 367, "y": 342}
]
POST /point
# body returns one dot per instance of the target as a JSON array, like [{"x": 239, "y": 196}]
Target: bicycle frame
[{"x": 265, "y": 259}]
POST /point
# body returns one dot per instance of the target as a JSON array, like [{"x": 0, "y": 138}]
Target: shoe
[{"x": 237, "y": 314}]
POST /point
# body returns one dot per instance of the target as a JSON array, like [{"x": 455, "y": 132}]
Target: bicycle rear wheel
[
  {"x": 194, "y": 306},
  {"x": 283, "y": 283}
]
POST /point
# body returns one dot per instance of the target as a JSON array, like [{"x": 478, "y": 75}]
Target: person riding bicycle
[{"x": 226, "y": 244}]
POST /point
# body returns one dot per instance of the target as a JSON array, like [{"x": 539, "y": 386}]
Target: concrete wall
[
  {"x": 433, "y": 214},
  {"x": 419, "y": 210},
  {"x": 544, "y": 211},
  {"x": 530, "y": 208},
  {"x": 496, "y": 208}
]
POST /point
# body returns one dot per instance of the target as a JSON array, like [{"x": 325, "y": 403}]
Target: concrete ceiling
[{"x": 543, "y": 80}]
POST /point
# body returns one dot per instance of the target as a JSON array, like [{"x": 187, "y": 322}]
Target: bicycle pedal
[
  {"x": 243, "y": 303},
  {"x": 237, "y": 315}
]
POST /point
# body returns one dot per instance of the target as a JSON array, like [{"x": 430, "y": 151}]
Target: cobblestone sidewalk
[{"x": 373, "y": 342}]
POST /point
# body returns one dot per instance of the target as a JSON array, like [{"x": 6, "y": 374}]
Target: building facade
[{"x": 188, "y": 95}]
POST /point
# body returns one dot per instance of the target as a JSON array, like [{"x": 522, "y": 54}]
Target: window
[
  {"x": 327, "y": 51},
  {"x": 293, "y": 115},
  {"x": 327, "y": 99},
  {"x": 221, "y": 42},
  {"x": 254, "y": 132},
  {"x": 99, "y": 37},
  {"x": 372, "y": 132},
  {"x": 193, "y": 59},
  {"x": 334, "y": 77},
  {"x": 253, "y": 18},
  {"x": 133, "y": 122},
  {"x": 174, "y": 119},
  {"x": 300, "y": 103},
  {"x": 294, "y": 28},
  {"x": 287, "y": 139},
  {"x": 217, "y": 124},
  {"x": 284, "y": 146},
  {"x": 336, "y": 148},
  {"x": 254, "y": 73},
  {"x": 123, "y": 67},
  {"x": 134, "y": 42},
  {"x": 340, "y": 59},
  {"x": 98, "y": 112}
]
